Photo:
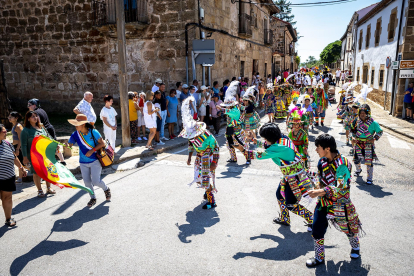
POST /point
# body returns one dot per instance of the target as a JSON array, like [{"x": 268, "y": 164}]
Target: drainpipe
[{"x": 394, "y": 94}]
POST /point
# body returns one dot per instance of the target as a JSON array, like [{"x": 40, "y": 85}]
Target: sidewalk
[{"x": 387, "y": 121}]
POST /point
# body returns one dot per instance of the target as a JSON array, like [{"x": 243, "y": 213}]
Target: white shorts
[
  {"x": 150, "y": 123},
  {"x": 141, "y": 121}
]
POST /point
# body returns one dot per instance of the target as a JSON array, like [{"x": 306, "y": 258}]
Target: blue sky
[{"x": 320, "y": 26}]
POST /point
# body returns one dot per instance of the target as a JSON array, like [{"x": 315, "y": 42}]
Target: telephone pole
[{"x": 123, "y": 93}]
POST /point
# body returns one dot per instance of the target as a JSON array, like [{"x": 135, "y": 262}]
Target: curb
[{"x": 396, "y": 131}]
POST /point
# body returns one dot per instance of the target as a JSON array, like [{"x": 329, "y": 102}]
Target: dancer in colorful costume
[
  {"x": 201, "y": 141},
  {"x": 269, "y": 101},
  {"x": 295, "y": 183},
  {"x": 307, "y": 108},
  {"x": 298, "y": 135},
  {"x": 280, "y": 108},
  {"x": 249, "y": 117},
  {"x": 365, "y": 131},
  {"x": 349, "y": 120},
  {"x": 235, "y": 135},
  {"x": 334, "y": 202},
  {"x": 347, "y": 116},
  {"x": 321, "y": 100}
]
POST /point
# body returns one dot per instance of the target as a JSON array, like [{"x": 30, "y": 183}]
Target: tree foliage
[
  {"x": 285, "y": 11},
  {"x": 331, "y": 53},
  {"x": 297, "y": 60},
  {"x": 310, "y": 62}
]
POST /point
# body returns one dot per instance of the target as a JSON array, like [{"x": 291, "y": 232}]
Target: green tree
[
  {"x": 331, "y": 53},
  {"x": 297, "y": 60},
  {"x": 285, "y": 11}
]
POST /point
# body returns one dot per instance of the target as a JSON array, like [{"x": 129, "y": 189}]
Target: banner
[{"x": 45, "y": 165}]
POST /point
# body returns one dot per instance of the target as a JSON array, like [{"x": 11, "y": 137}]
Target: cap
[
  {"x": 203, "y": 87},
  {"x": 158, "y": 80},
  {"x": 192, "y": 87},
  {"x": 185, "y": 86}
]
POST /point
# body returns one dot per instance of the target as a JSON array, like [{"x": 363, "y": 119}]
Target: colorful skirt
[
  {"x": 252, "y": 121},
  {"x": 270, "y": 109},
  {"x": 280, "y": 114}
]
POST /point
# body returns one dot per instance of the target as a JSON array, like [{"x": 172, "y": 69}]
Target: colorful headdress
[
  {"x": 364, "y": 92},
  {"x": 366, "y": 109},
  {"x": 296, "y": 115},
  {"x": 249, "y": 93},
  {"x": 291, "y": 75},
  {"x": 231, "y": 92},
  {"x": 306, "y": 97},
  {"x": 295, "y": 95},
  {"x": 270, "y": 86},
  {"x": 191, "y": 128}
]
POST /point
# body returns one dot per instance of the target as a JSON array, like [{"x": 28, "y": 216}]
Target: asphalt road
[{"x": 154, "y": 224}]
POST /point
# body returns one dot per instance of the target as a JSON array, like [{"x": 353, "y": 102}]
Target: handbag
[{"x": 106, "y": 154}]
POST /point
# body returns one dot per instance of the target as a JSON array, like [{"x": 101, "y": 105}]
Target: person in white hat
[
  {"x": 235, "y": 137},
  {"x": 156, "y": 85},
  {"x": 201, "y": 141},
  {"x": 202, "y": 103}
]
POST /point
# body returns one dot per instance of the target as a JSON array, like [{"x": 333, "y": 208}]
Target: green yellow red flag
[{"x": 45, "y": 165}]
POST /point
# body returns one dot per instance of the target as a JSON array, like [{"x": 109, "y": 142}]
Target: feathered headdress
[
  {"x": 351, "y": 86},
  {"x": 295, "y": 95},
  {"x": 296, "y": 115},
  {"x": 230, "y": 96},
  {"x": 249, "y": 93},
  {"x": 270, "y": 86},
  {"x": 345, "y": 86},
  {"x": 364, "y": 92},
  {"x": 287, "y": 79},
  {"x": 191, "y": 128}
]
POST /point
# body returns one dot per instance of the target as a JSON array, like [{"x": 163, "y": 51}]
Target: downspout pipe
[{"x": 393, "y": 96}]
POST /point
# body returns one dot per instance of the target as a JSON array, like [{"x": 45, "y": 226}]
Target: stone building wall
[{"x": 53, "y": 50}]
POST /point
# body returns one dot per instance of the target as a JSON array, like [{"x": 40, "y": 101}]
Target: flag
[{"x": 45, "y": 165}]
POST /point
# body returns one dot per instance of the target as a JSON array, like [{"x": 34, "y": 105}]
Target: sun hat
[
  {"x": 158, "y": 80},
  {"x": 80, "y": 120}
]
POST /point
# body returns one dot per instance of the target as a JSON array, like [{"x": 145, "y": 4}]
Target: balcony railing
[
  {"x": 245, "y": 27},
  {"x": 104, "y": 12},
  {"x": 268, "y": 37}
]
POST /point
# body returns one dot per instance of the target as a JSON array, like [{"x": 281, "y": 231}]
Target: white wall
[{"x": 376, "y": 56}]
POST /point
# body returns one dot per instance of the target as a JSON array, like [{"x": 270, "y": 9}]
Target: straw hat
[{"x": 80, "y": 120}]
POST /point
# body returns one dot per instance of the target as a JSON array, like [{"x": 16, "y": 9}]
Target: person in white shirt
[
  {"x": 342, "y": 77},
  {"x": 156, "y": 86},
  {"x": 84, "y": 107},
  {"x": 269, "y": 79},
  {"x": 195, "y": 84},
  {"x": 337, "y": 76},
  {"x": 108, "y": 116}
]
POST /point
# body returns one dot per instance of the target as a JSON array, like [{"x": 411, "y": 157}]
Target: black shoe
[
  {"x": 316, "y": 124},
  {"x": 369, "y": 182},
  {"x": 63, "y": 163},
  {"x": 279, "y": 221},
  {"x": 357, "y": 173},
  {"x": 309, "y": 225},
  {"x": 312, "y": 262},
  {"x": 231, "y": 160},
  {"x": 205, "y": 195},
  {"x": 322, "y": 124},
  {"x": 208, "y": 205},
  {"x": 355, "y": 254}
]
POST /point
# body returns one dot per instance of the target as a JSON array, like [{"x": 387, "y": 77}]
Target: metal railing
[
  {"x": 268, "y": 37},
  {"x": 245, "y": 24},
  {"x": 104, "y": 12}
]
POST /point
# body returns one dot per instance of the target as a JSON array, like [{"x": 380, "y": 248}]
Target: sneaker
[
  {"x": 160, "y": 143},
  {"x": 309, "y": 225},
  {"x": 164, "y": 138},
  {"x": 144, "y": 138},
  {"x": 312, "y": 262},
  {"x": 351, "y": 152},
  {"x": 248, "y": 162},
  {"x": 171, "y": 137},
  {"x": 139, "y": 139},
  {"x": 322, "y": 124},
  {"x": 205, "y": 196},
  {"x": 357, "y": 173},
  {"x": 369, "y": 182},
  {"x": 208, "y": 205},
  {"x": 63, "y": 163},
  {"x": 355, "y": 254},
  {"x": 19, "y": 181},
  {"x": 316, "y": 124},
  {"x": 279, "y": 221}
]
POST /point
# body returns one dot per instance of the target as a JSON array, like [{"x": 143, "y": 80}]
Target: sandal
[
  {"x": 50, "y": 191},
  {"x": 279, "y": 221},
  {"x": 10, "y": 222},
  {"x": 108, "y": 194},
  {"x": 91, "y": 202},
  {"x": 312, "y": 262},
  {"x": 149, "y": 148},
  {"x": 40, "y": 193}
]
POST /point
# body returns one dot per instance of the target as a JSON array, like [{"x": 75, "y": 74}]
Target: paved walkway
[{"x": 387, "y": 121}]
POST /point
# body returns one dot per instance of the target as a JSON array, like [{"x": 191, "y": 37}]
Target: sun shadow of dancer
[
  {"x": 291, "y": 246},
  {"x": 233, "y": 171},
  {"x": 198, "y": 220},
  {"x": 69, "y": 203},
  {"x": 5, "y": 229},
  {"x": 80, "y": 217},
  {"x": 373, "y": 190},
  {"x": 43, "y": 248},
  {"x": 352, "y": 267}
]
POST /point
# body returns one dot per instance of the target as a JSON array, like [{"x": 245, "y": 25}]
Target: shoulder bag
[{"x": 106, "y": 154}]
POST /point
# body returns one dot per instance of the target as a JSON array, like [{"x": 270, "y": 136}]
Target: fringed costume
[{"x": 321, "y": 100}]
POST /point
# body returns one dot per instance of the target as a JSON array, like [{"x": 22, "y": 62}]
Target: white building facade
[{"x": 376, "y": 40}]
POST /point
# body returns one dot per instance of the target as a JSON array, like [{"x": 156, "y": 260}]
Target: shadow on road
[
  {"x": 69, "y": 203},
  {"x": 28, "y": 204},
  {"x": 374, "y": 190},
  {"x": 5, "y": 229},
  {"x": 290, "y": 246},
  {"x": 43, "y": 248},
  {"x": 80, "y": 217},
  {"x": 198, "y": 220},
  {"x": 352, "y": 267}
]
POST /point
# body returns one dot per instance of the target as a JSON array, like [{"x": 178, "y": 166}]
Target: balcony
[
  {"x": 268, "y": 37},
  {"x": 104, "y": 12},
  {"x": 245, "y": 27}
]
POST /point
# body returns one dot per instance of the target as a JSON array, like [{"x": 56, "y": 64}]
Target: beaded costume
[
  {"x": 295, "y": 182},
  {"x": 321, "y": 101}
]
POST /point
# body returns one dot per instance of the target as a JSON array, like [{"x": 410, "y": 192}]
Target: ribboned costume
[
  {"x": 335, "y": 206},
  {"x": 207, "y": 150},
  {"x": 295, "y": 182}
]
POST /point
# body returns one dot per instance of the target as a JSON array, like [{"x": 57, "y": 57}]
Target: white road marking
[{"x": 397, "y": 143}]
